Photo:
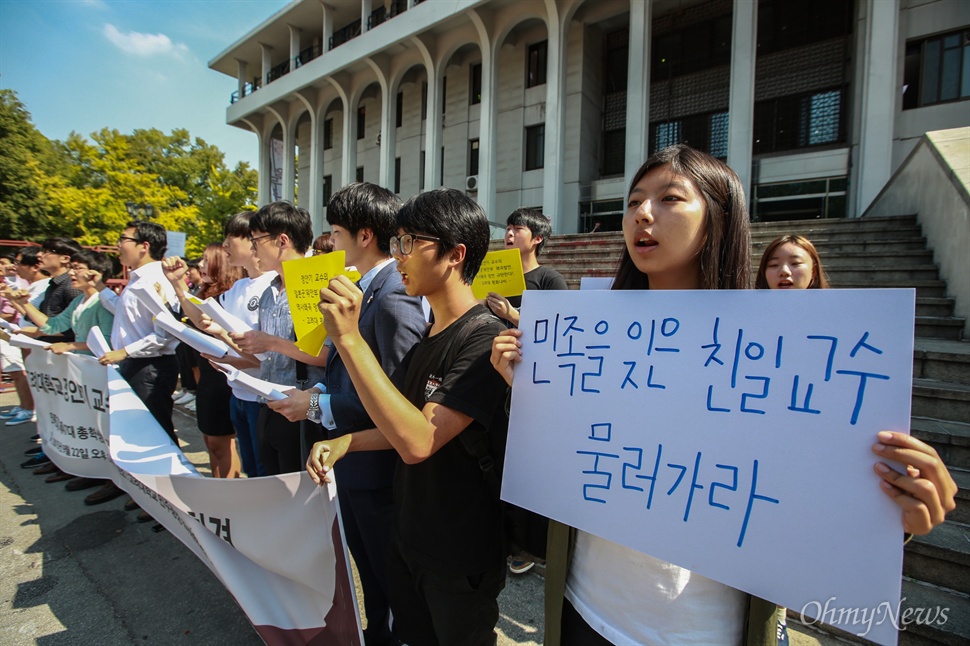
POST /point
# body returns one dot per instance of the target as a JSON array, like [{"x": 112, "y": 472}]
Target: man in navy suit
[{"x": 362, "y": 217}]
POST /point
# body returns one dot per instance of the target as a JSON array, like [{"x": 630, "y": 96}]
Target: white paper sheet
[
  {"x": 97, "y": 344},
  {"x": 24, "y": 341},
  {"x": 228, "y": 322},
  {"x": 254, "y": 385},
  {"x": 192, "y": 337},
  {"x": 10, "y": 327}
]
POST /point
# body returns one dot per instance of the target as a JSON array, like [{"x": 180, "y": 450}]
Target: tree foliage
[{"x": 78, "y": 188}]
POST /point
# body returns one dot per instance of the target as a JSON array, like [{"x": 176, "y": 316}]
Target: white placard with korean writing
[
  {"x": 728, "y": 432},
  {"x": 252, "y": 533},
  {"x": 72, "y": 411}
]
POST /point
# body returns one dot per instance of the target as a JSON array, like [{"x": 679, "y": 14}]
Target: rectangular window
[
  {"x": 421, "y": 172},
  {"x": 361, "y": 121},
  {"x": 444, "y": 94},
  {"x": 536, "y": 64},
  {"x": 424, "y": 101},
  {"x": 792, "y": 122},
  {"x": 360, "y": 173},
  {"x": 397, "y": 175},
  {"x": 937, "y": 70},
  {"x": 473, "y": 157},
  {"x": 535, "y": 146},
  {"x": 475, "y": 83},
  {"x": 399, "y": 116},
  {"x": 327, "y": 188},
  {"x": 327, "y": 134}
]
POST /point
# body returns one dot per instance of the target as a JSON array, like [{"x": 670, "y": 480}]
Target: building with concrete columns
[{"x": 555, "y": 103}]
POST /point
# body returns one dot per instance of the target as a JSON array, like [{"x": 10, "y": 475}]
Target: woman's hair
[
  {"x": 819, "y": 279},
  {"x": 221, "y": 275},
  {"x": 96, "y": 261},
  {"x": 322, "y": 244},
  {"x": 725, "y": 259}
]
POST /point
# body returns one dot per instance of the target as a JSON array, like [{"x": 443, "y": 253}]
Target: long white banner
[
  {"x": 274, "y": 542},
  {"x": 725, "y": 432}
]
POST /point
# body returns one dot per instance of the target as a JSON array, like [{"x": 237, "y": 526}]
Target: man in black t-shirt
[
  {"x": 446, "y": 564},
  {"x": 526, "y": 230},
  {"x": 55, "y": 257}
]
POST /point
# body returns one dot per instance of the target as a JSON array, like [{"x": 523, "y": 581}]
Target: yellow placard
[
  {"x": 304, "y": 278},
  {"x": 501, "y": 273},
  {"x": 312, "y": 343}
]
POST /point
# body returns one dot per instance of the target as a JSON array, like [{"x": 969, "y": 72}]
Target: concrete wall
[{"x": 934, "y": 182}]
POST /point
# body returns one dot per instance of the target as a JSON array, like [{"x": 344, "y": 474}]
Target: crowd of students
[{"x": 410, "y": 410}]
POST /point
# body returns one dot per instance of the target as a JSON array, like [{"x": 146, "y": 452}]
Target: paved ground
[{"x": 72, "y": 574}]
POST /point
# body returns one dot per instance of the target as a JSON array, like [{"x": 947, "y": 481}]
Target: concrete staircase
[{"x": 876, "y": 252}]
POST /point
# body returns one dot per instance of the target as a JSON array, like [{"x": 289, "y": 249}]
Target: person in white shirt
[
  {"x": 145, "y": 358},
  {"x": 242, "y": 301}
]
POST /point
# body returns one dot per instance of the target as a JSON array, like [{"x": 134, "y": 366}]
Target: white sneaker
[
  {"x": 185, "y": 399},
  {"x": 179, "y": 393},
  {"x": 22, "y": 417},
  {"x": 190, "y": 406}
]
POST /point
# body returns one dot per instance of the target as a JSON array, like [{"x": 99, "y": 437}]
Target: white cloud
[{"x": 141, "y": 44}]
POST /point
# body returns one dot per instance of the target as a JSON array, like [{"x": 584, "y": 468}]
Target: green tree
[
  {"x": 79, "y": 188},
  {"x": 23, "y": 151}
]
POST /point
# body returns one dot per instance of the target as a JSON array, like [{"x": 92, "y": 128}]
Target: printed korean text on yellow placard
[
  {"x": 305, "y": 278},
  {"x": 501, "y": 273}
]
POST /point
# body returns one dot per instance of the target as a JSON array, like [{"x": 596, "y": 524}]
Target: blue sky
[{"x": 87, "y": 64}]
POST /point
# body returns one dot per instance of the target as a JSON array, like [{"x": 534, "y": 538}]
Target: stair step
[
  {"x": 924, "y": 288},
  {"x": 950, "y": 438},
  {"x": 941, "y": 557},
  {"x": 941, "y": 360},
  {"x": 939, "y": 327},
  {"x": 941, "y": 400},
  {"x": 962, "y": 513},
  {"x": 934, "y": 306},
  {"x": 900, "y": 276},
  {"x": 932, "y": 600},
  {"x": 868, "y": 259}
]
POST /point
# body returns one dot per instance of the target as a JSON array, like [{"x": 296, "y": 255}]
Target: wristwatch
[{"x": 313, "y": 412}]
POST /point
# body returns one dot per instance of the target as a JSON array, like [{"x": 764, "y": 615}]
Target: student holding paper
[
  {"x": 145, "y": 358},
  {"x": 81, "y": 314},
  {"x": 362, "y": 216},
  {"x": 446, "y": 565},
  {"x": 213, "y": 392},
  {"x": 280, "y": 232},
  {"x": 526, "y": 230},
  {"x": 242, "y": 301},
  {"x": 686, "y": 227}
]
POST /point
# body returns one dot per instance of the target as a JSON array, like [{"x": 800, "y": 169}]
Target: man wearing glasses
[
  {"x": 55, "y": 259},
  {"x": 280, "y": 232},
  {"x": 446, "y": 564},
  {"x": 362, "y": 216},
  {"x": 145, "y": 358}
]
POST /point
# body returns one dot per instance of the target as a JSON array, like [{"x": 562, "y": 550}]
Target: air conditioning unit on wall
[{"x": 471, "y": 183}]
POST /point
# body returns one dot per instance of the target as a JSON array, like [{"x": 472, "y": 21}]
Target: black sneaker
[
  {"x": 33, "y": 451},
  {"x": 34, "y": 462}
]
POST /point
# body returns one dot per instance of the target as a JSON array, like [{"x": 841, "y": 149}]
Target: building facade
[{"x": 555, "y": 103}]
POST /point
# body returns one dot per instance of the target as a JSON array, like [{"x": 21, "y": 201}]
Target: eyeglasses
[
  {"x": 77, "y": 268},
  {"x": 403, "y": 245},
  {"x": 121, "y": 239},
  {"x": 255, "y": 240}
]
